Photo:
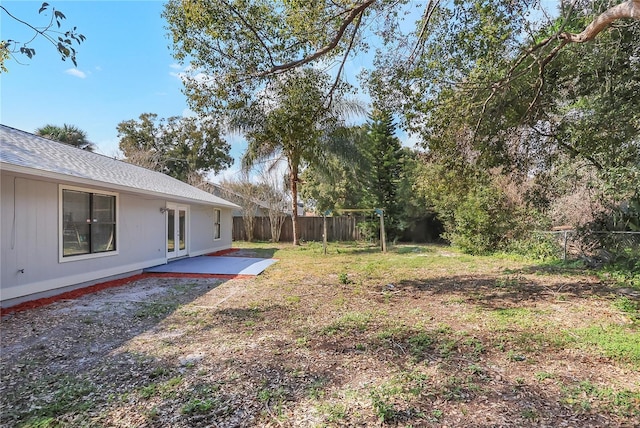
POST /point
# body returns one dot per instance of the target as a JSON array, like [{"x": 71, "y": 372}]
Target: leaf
[
  {"x": 28, "y": 52},
  {"x": 43, "y": 7},
  {"x": 59, "y": 15}
]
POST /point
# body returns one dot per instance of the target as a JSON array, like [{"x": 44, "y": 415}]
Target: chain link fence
[{"x": 592, "y": 245}]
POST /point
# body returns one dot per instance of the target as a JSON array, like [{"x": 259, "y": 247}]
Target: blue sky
[{"x": 125, "y": 68}]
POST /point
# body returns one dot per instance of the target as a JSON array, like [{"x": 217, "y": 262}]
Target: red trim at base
[{"x": 74, "y": 294}]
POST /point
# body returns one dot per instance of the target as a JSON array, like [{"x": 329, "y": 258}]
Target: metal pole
[
  {"x": 324, "y": 233},
  {"x": 383, "y": 236}
]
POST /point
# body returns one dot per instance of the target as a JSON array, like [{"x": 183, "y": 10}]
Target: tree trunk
[{"x": 293, "y": 181}]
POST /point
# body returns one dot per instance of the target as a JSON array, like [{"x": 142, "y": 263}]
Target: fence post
[
  {"x": 564, "y": 255},
  {"x": 324, "y": 233}
]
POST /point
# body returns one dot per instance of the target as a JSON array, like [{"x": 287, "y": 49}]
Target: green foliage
[
  {"x": 486, "y": 220},
  {"x": 382, "y": 401},
  {"x": 621, "y": 343},
  {"x": 349, "y": 323},
  {"x": 63, "y": 41},
  {"x": 536, "y": 247},
  {"x": 628, "y": 306},
  {"x": 623, "y": 274},
  {"x": 333, "y": 412},
  {"x": 67, "y": 134},
  {"x": 369, "y": 229},
  {"x": 419, "y": 344},
  {"x": 383, "y": 154},
  {"x": 197, "y": 406},
  {"x": 69, "y": 396},
  {"x": 155, "y": 310},
  {"x": 295, "y": 123},
  {"x": 344, "y": 279},
  {"x": 480, "y": 222},
  {"x": 183, "y": 147},
  {"x": 586, "y": 395}
]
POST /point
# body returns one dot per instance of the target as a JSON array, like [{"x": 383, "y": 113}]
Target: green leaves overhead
[
  {"x": 183, "y": 147},
  {"x": 239, "y": 45},
  {"x": 64, "y": 45}
]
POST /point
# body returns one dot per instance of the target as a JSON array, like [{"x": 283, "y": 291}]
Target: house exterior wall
[
  {"x": 201, "y": 230},
  {"x": 31, "y": 264}
]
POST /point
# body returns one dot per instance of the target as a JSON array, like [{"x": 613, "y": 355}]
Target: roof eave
[{"x": 119, "y": 187}]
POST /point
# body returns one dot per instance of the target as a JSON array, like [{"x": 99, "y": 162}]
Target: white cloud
[
  {"x": 176, "y": 66},
  {"x": 75, "y": 72}
]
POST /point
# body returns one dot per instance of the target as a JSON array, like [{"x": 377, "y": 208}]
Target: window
[
  {"x": 216, "y": 224},
  {"x": 88, "y": 222}
]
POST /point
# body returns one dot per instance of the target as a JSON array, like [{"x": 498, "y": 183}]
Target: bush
[
  {"x": 536, "y": 246},
  {"x": 369, "y": 229},
  {"x": 482, "y": 221}
]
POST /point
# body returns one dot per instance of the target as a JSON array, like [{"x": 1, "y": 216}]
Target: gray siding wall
[
  {"x": 29, "y": 238},
  {"x": 201, "y": 230}
]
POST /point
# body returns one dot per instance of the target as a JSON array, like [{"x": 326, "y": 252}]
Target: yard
[{"x": 420, "y": 336}]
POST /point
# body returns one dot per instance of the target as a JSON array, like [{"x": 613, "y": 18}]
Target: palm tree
[
  {"x": 67, "y": 134},
  {"x": 293, "y": 121}
]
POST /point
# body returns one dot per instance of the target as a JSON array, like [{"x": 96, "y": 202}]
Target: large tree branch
[
  {"x": 342, "y": 63},
  {"x": 569, "y": 148},
  {"x": 627, "y": 9},
  {"x": 422, "y": 35},
  {"x": 348, "y": 20}
]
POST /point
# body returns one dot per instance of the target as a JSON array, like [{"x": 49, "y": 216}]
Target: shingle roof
[{"x": 27, "y": 150}]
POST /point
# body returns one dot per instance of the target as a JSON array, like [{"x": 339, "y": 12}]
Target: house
[{"x": 70, "y": 218}]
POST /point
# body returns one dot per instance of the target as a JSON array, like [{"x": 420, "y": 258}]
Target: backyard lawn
[{"x": 420, "y": 336}]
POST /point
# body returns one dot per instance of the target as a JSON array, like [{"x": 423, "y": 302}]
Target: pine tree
[{"x": 385, "y": 158}]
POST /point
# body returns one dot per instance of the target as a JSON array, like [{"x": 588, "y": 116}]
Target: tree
[
  {"x": 62, "y": 41},
  {"x": 340, "y": 180},
  {"x": 67, "y": 134},
  {"x": 183, "y": 147},
  {"x": 291, "y": 122},
  {"x": 273, "y": 192},
  {"x": 239, "y": 44},
  {"x": 384, "y": 157},
  {"x": 247, "y": 195}
]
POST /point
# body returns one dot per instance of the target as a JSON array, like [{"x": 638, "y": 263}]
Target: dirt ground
[{"x": 346, "y": 343}]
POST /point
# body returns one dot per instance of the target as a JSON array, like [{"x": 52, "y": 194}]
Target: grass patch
[
  {"x": 629, "y": 307},
  {"x": 155, "y": 310},
  {"x": 587, "y": 396},
  {"x": 198, "y": 406},
  {"x": 69, "y": 395},
  {"x": 351, "y": 322},
  {"x": 619, "y": 342}
]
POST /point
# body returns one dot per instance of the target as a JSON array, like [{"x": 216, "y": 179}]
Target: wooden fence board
[
  {"x": 342, "y": 228},
  {"x": 309, "y": 229}
]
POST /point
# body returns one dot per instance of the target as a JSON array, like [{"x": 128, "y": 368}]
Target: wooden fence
[
  {"x": 342, "y": 228},
  {"x": 309, "y": 229}
]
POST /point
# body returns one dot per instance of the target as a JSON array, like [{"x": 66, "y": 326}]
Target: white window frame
[
  {"x": 61, "y": 256},
  {"x": 217, "y": 224}
]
